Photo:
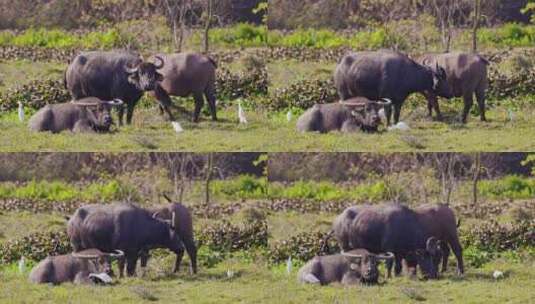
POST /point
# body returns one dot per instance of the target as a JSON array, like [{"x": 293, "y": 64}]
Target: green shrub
[
  {"x": 509, "y": 187},
  {"x": 243, "y": 187},
  {"x": 57, "y": 191}
]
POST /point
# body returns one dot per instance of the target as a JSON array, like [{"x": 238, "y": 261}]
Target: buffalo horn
[
  {"x": 351, "y": 255},
  {"x": 385, "y": 256},
  {"x": 115, "y": 102},
  {"x": 116, "y": 253},
  {"x": 85, "y": 255},
  {"x": 158, "y": 65},
  {"x": 167, "y": 198},
  {"x": 130, "y": 70},
  {"x": 87, "y": 102},
  {"x": 385, "y": 101}
]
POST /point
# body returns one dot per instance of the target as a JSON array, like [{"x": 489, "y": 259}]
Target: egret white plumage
[
  {"x": 241, "y": 114},
  {"x": 510, "y": 115},
  {"x": 21, "y": 112},
  {"x": 497, "y": 274},
  {"x": 401, "y": 126},
  {"x": 102, "y": 277},
  {"x": 289, "y": 115},
  {"x": 289, "y": 265},
  {"x": 22, "y": 265},
  {"x": 176, "y": 125},
  {"x": 230, "y": 274}
]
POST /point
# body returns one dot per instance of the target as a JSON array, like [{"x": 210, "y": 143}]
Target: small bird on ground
[
  {"x": 289, "y": 116},
  {"x": 510, "y": 115},
  {"x": 22, "y": 265},
  {"x": 176, "y": 125},
  {"x": 21, "y": 112},
  {"x": 399, "y": 126},
  {"x": 241, "y": 114},
  {"x": 289, "y": 265},
  {"x": 497, "y": 274},
  {"x": 230, "y": 274}
]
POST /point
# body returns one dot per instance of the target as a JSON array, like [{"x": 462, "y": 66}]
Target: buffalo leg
[
  {"x": 131, "y": 262},
  {"x": 179, "y": 256},
  {"x": 397, "y": 265},
  {"x": 397, "y": 112},
  {"x": 129, "y": 112},
  {"x": 458, "y": 251},
  {"x": 121, "y": 263},
  {"x": 445, "y": 256},
  {"x": 199, "y": 101},
  {"x": 480, "y": 96},
  {"x": 82, "y": 126},
  {"x": 192, "y": 253},
  {"x": 120, "y": 114},
  {"x": 210, "y": 97},
  {"x": 468, "y": 101},
  {"x": 389, "y": 264},
  {"x": 164, "y": 101},
  {"x": 388, "y": 114},
  {"x": 434, "y": 105}
]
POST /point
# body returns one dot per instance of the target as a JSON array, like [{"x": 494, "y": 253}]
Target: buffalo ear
[
  {"x": 442, "y": 73},
  {"x": 159, "y": 77},
  {"x": 432, "y": 245}
]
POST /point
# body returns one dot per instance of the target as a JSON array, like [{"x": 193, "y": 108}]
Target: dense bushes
[
  {"x": 302, "y": 95},
  {"x": 34, "y": 95},
  {"x": 493, "y": 236}
]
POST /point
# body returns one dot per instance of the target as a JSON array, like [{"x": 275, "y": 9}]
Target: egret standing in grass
[
  {"x": 177, "y": 126},
  {"x": 21, "y": 112},
  {"x": 241, "y": 114},
  {"x": 22, "y": 265},
  {"x": 510, "y": 115},
  {"x": 289, "y": 265},
  {"x": 289, "y": 116}
]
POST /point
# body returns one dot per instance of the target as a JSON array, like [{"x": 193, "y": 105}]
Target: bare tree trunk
[
  {"x": 477, "y": 17},
  {"x": 209, "y": 4},
  {"x": 208, "y": 174}
]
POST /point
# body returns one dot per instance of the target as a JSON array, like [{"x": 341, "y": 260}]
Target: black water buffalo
[
  {"x": 78, "y": 267},
  {"x": 348, "y": 268},
  {"x": 466, "y": 74},
  {"x": 179, "y": 218},
  {"x": 109, "y": 75},
  {"x": 388, "y": 228},
  {"x": 439, "y": 221},
  {"x": 84, "y": 115},
  {"x": 186, "y": 74},
  {"x": 350, "y": 115},
  {"x": 121, "y": 226},
  {"x": 387, "y": 74}
]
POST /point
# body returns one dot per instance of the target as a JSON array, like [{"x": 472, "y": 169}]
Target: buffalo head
[
  {"x": 100, "y": 260},
  {"x": 366, "y": 112},
  {"x": 441, "y": 87},
  {"x": 145, "y": 75},
  {"x": 98, "y": 111},
  {"x": 366, "y": 264},
  {"x": 173, "y": 239},
  {"x": 426, "y": 258}
]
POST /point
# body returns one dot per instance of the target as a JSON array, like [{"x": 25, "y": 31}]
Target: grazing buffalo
[
  {"x": 84, "y": 115},
  {"x": 388, "y": 228},
  {"x": 387, "y": 74},
  {"x": 121, "y": 226},
  {"x": 109, "y": 75},
  {"x": 439, "y": 221},
  {"x": 352, "y": 267},
  {"x": 186, "y": 74},
  {"x": 466, "y": 74},
  {"x": 350, "y": 115},
  {"x": 180, "y": 219},
  {"x": 79, "y": 267}
]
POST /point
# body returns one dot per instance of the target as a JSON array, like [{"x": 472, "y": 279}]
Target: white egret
[
  {"x": 289, "y": 115},
  {"x": 241, "y": 114},
  {"x": 22, "y": 265},
  {"x": 21, "y": 112},
  {"x": 289, "y": 265},
  {"x": 176, "y": 125}
]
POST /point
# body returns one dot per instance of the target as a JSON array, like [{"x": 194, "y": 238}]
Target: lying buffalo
[
  {"x": 389, "y": 228},
  {"x": 109, "y": 75},
  {"x": 466, "y": 74},
  {"x": 350, "y": 115},
  {"x": 387, "y": 74},
  {"x": 84, "y": 115},
  {"x": 180, "y": 219},
  {"x": 80, "y": 267},
  {"x": 352, "y": 267},
  {"x": 186, "y": 74},
  {"x": 439, "y": 221},
  {"x": 121, "y": 226}
]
